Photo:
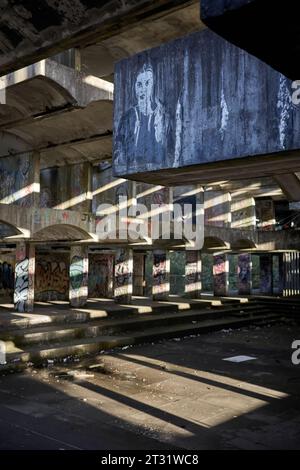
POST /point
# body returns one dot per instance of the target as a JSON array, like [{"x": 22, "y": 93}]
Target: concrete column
[
  {"x": 244, "y": 274},
  {"x": 123, "y": 287},
  {"x": 291, "y": 268},
  {"x": 79, "y": 269},
  {"x": 281, "y": 273},
  {"x": 266, "y": 274},
  {"x": 24, "y": 277},
  {"x": 138, "y": 273},
  {"x": 221, "y": 275},
  {"x": 36, "y": 179},
  {"x": 161, "y": 275},
  {"x": 193, "y": 269}
]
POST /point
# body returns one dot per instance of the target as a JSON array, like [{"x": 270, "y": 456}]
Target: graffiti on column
[
  {"x": 160, "y": 273},
  {"x": 78, "y": 278},
  {"x": 15, "y": 181},
  {"x": 220, "y": 275},
  {"x": 52, "y": 278},
  {"x": 22, "y": 285},
  {"x": 76, "y": 272},
  {"x": 192, "y": 274},
  {"x": 100, "y": 275},
  {"x": 123, "y": 273},
  {"x": 244, "y": 274}
]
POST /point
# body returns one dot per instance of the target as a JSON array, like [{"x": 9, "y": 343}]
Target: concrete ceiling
[
  {"x": 99, "y": 59},
  {"x": 32, "y": 30},
  {"x": 64, "y": 114}
]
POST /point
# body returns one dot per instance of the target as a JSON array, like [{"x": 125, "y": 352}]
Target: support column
[
  {"x": 123, "y": 275},
  {"x": 281, "y": 274},
  {"x": 79, "y": 268},
  {"x": 244, "y": 274},
  {"x": 24, "y": 277},
  {"x": 138, "y": 273},
  {"x": 221, "y": 275},
  {"x": 266, "y": 274},
  {"x": 193, "y": 268},
  {"x": 161, "y": 275}
]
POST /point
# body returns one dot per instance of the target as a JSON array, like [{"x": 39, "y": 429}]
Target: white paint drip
[{"x": 284, "y": 106}]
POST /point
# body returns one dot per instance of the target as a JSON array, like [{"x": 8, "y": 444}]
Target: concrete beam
[
  {"x": 33, "y": 30},
  {"x": 223, "y": 115}
]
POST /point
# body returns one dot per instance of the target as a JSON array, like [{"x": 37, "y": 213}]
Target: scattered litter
[
  {"x": 125, "y": 347},
  {"x": 50, "y": 361},
  {"x": 194, "y": 322},
  {"x": 176, "y": 339},
  {"x": 239, "y": 358}
]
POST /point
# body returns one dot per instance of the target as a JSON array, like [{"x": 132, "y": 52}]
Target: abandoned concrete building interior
[
  {"x": 67, "y": 149},
  {"x": 56, "y": 171}
]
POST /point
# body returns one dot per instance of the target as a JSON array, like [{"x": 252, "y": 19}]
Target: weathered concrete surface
[
  {"x": 34, "y": 30},
  {"x": 219, "y": 106},
  {"x": 64, "y": 114},
  {"x": 175, "y": 394},
  {"x": 270, "y": 32}
]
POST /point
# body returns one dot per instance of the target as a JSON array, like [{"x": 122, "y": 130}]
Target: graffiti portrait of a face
[{"x": 144, "y": 89}]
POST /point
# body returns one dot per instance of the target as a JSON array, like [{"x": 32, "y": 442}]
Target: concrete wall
[
  {"x": 196, "y": 100},
  {"x": 52, "y": 276},
  {"x": 217, "y": 208},
  {"x": 17, "y": 180},
  {"x": 65, "y": 187},
  {"x": 7, "y": 267},
  {"x": 101, "y": 274}
]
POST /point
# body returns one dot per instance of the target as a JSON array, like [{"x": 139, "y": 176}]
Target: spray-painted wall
[
  {"x": 101, "y": 275},
  {"x": 52, "y": 277},
  {"x": 16, "y": 180},
  {"x": 65, "y": 187},
  {"x": 195, "y": 100}
]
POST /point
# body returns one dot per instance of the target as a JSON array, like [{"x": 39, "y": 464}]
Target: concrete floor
[{"x": 174, "y": 394}]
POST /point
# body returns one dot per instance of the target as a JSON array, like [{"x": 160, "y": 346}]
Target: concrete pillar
[
  {"x": 266, "y": 274},
  {"x": 291, "y": 269},
  {"x": 24, "y": 277},
  {"x": 161, "y": 275},
  {"x": 123, "y": 287},
  {"x": 281, "y": 274},
  {"x": 221, "y": 275},
  {"x": 138, "y": 273},
  {"x": 79, "y": 268},
  {"x": 244, "y": 274},
  {"x": 193, "y": 268},
  {"x": 36, "y": 179}
]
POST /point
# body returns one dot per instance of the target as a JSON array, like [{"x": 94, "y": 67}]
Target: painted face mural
[
  {"x": 145, "y": 125},
  {"x": 144, "y": 90}
]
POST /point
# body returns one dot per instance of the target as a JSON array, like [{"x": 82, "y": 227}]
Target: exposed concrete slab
[{"x": 37, "y": 30}]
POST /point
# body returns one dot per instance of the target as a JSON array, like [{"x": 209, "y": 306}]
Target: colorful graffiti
[
  {"x": 101, "y": 268},
  {"x": 244, "y": 274},
  {"x": 78, "y": 276},
  {"x": 160, "y": 274},
  {"x": 123, "y": 273},
  {"x": 52, "y": 277},
  {"x": 193, "y": 273}
]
